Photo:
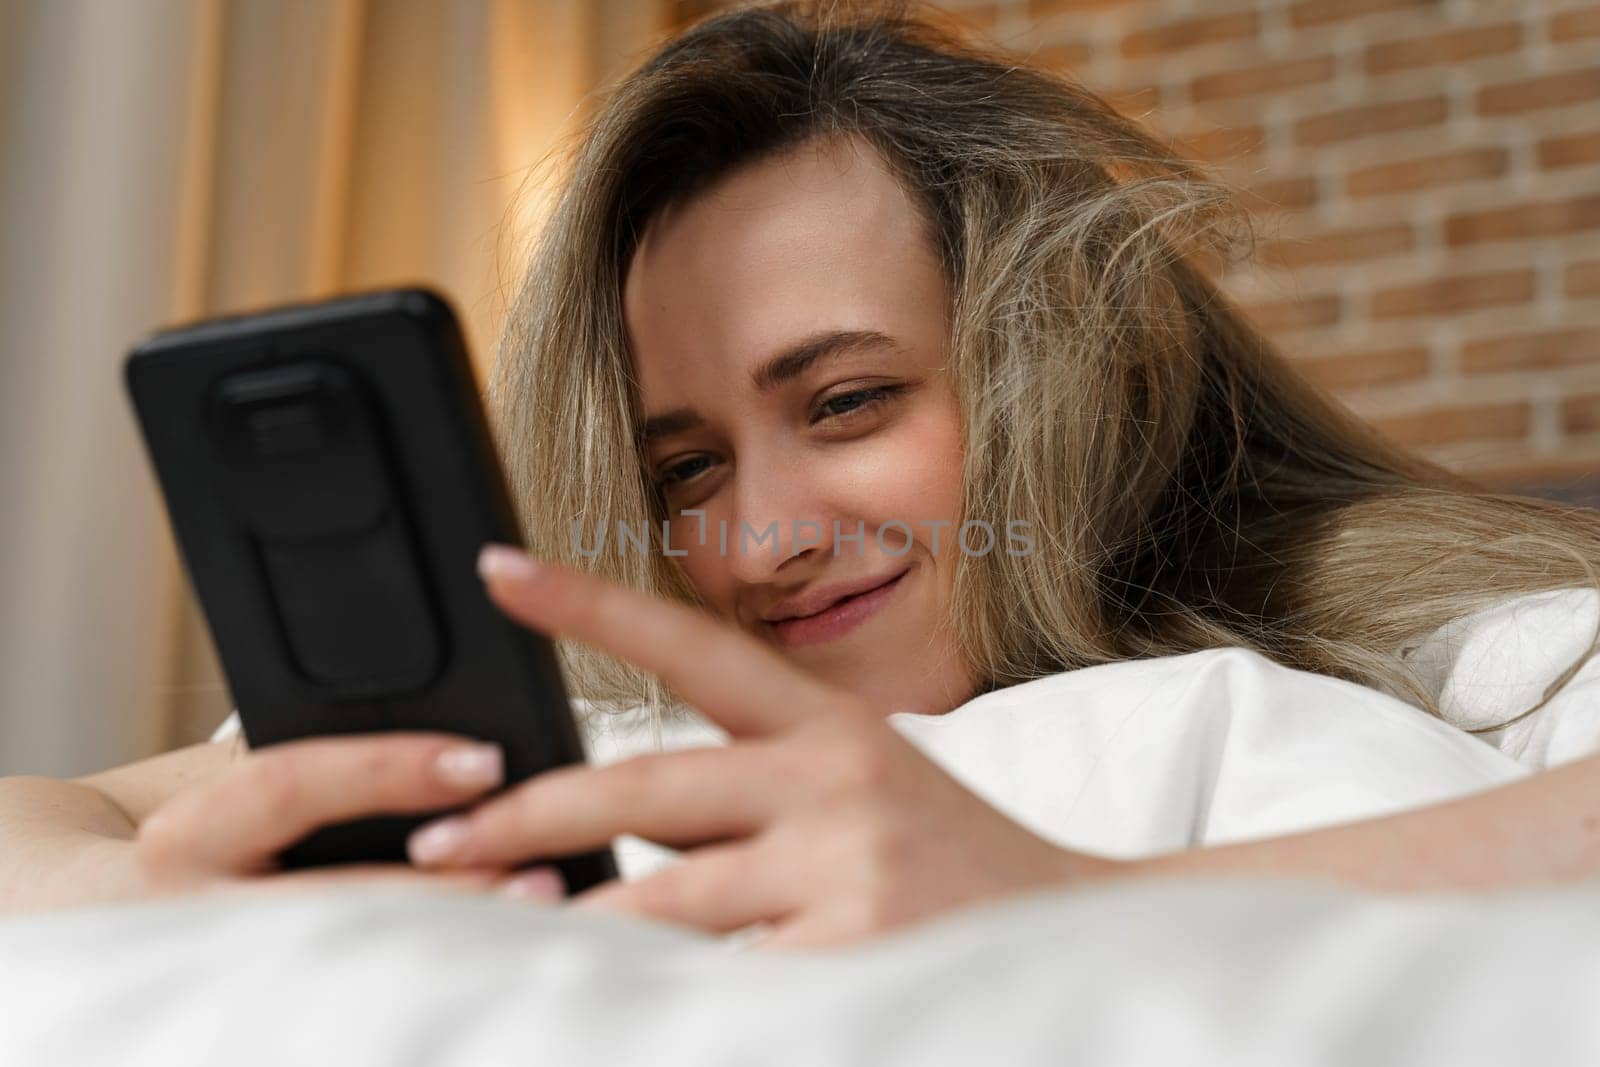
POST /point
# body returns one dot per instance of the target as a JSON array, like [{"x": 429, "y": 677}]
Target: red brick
[
  {"x": 1223, "y": 144},
  {"x": 1520, "y": 472},
  {"x": 1065, "y": 56},
  {"x": 1042, "y": 8},
  {"x": 981, "y": 17},
  {"x": 1581, "y": 414},
  {"x": 1583, "y": 279},
  {"x": 1366, "y": 119},
  {"x": 1282, "y": 316},
  {"x": 1289, "y": 193},
  {"x": 1391, "y": 56},
  {"x": 1573, "y": 25},
  {"x": 1547, "y": 90},
  {"x": 1570, "y": 151},
  {"x": 1444, "y": 168},
  {"x": 1265, "y": 78},
  {"x": 1214, "y": 263},
  {"x": 1135, "y": 101},
  {"x": 1358, "y": 370},
  {"x": 1339, "y": 246},
  {"x": 1177, "y": 35},
  {"x": 1549, "y": 218},
  {"x": 1454, "y": 294},
  {"x": 1441, "y": 426},
  {"x": 687, "y": 11},
  {"x": 1531, "y": 351},
  {"x": 1318, "y": 12}
]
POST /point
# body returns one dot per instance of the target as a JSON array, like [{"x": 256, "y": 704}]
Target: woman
[{"x": 821, "y": 289}]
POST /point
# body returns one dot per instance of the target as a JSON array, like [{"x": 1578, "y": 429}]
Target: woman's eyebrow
[
  {"x": 785, "y": 366},
  {"x": 792, "y": 361}
]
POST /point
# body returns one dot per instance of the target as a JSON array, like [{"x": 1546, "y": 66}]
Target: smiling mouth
[{"x": 838, "y": 618}]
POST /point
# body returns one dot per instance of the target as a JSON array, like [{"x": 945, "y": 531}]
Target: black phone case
[{"x": 330, "y": 478}]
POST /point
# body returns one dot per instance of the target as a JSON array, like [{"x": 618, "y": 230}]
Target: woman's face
[{"x": 789, "y": 333}]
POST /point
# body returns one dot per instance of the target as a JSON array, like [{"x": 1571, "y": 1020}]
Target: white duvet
[{"x": 1126, "y": 759}]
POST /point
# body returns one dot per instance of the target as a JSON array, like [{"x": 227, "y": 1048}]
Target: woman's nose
[{"x": 777, "y": 517}]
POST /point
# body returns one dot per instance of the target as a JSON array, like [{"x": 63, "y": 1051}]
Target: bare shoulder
[{"x": 140, "y": 787}]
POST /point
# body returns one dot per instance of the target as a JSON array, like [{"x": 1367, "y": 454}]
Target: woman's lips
[{"x": 839, "y": 619}]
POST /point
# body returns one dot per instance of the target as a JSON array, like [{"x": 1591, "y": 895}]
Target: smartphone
[{"x": 330, "y": 478}]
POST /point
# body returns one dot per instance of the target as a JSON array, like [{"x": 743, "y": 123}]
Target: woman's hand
[
  {"x": 228, "y": 831},
  {"x": 819, "y": 818}
]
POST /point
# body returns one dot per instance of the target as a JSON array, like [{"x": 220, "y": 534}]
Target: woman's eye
[
  {"x": 846, "y": 404},
  {"x": 682, "y": 472},
  {"x": 840, "y": 406}
]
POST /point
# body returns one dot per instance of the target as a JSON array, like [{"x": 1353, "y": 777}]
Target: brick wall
[{"x": 1425, "y": 176}]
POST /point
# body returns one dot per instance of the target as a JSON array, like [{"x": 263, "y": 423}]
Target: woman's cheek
[
  {"x": 916, "y": 477},
  {"x": 705, "y": 565}
]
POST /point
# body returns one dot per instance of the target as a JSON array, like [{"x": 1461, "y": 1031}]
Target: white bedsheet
[
  {"x": 1156, "y": 974},
  {"x": 1126, "y": 759}
]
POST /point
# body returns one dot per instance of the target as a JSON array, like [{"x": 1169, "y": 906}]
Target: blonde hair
[{"x": 1186, "y": 487}]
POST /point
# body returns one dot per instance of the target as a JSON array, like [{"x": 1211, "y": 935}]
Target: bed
[
  {"x": 1205, "y": 972},
  {"x": 1193, "y": 750}
]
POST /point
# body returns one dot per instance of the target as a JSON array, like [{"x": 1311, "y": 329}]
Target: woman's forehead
[{"x": 821, "y": 237}]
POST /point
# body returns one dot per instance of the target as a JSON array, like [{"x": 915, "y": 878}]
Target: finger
[
  {"x": 481, "y": 880},
  {"x": 807, "y": 931},
  {"x": 279, "y": 794},
  {"x": 677, "y": 798},
  {"x": 741, "y": 684},
  {"x": 719, "y": 888},
  {"x": 543, "y": 884}
]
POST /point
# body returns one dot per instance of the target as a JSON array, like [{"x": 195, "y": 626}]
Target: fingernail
[
  {"x": 436, "y": 840},
  {"x": 541, "y": 884},
  {"x": 505, "y": 563},
  {"x": 475, "y": 766}
]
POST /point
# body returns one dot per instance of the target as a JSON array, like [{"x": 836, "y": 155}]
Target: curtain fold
[{"x": 175, "y": 159}]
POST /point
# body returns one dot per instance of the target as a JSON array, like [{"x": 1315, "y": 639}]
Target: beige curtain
[{"x": 165, "y": 160}]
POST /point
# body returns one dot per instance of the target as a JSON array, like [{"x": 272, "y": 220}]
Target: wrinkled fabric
[
  {"x": 1492, "y": 667},
  {"x": 1177, "y": 973},
  {"x": 1148, "y": 756},
  {"x": 1124, "y": 759}
]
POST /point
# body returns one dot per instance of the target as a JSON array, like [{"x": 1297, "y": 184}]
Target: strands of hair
[{"x": 1186, "y": 487}]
